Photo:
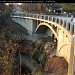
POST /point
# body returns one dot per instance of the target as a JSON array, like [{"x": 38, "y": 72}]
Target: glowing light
[
  {"x": 7, "y": 3},
  {"x": 19, "y": 3}
]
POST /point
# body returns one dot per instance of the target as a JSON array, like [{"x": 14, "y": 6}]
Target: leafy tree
[
  {"x": 33, "y": 8},
  {"x": 4, "y": 7},
  {"x": 68, "y": 6}
]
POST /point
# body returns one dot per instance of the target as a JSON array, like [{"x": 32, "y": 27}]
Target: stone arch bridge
[{"x": 62, "y": 30}]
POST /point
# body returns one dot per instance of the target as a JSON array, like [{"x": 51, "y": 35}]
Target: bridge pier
[
  {"x": 30, "y": 25},
  {"x": 65, "y": 48},
  {"x": 74, "y": 51},
  {"x": 34, "y": 25}
]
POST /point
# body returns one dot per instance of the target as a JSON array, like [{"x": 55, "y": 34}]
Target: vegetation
[
  {"x": 4, "y": 7},
  {"x": 7, "y": 58},
  {"x": 41, "y": 7},
  {"x": 34, "y": 8},
  {"x": 68, "y": 6}
]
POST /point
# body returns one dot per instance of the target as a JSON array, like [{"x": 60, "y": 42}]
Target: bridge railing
[{"x": 69, "y": 26}]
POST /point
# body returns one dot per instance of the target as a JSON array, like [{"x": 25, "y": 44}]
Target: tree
[
  {"x": 39, "y": 5},
  {"x": 68, "y": 6},
  {"x": 4, "y": 7}
]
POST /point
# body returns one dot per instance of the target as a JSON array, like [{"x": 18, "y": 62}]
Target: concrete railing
[{"x": 68, "y": 26}]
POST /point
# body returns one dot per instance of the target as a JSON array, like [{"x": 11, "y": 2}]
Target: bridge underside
[
  {"x": 46, "y": 28},
  {"x": 42, "y": 29}
]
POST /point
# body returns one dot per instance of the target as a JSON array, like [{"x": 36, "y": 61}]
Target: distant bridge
[{"x": 62, "y": 30}]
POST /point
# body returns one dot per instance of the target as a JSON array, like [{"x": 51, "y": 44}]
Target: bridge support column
[
  {"x": 34, "y": 26},
  {"x": 30, "y": 25},
  {"x": 65, "y": 49},
  {"x": 74, "y": 50}
]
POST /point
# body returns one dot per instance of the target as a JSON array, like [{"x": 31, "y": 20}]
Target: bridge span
[{"x": 64, "y": 33}]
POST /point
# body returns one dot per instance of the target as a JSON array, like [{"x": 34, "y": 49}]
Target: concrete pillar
[
  {"x": 34, "y": 26},
  {"x": 26, "y": 23},
  {"x": 48, "y": 18},
  {"x": 71, "y": 28},
  {"x": 71, "y": 67},
  {"x": 44, "y": 17},
  {"x": 65, "y": 49},
  {"x": 29, "y": 26},
  {"x": 66, "y": 25},
  {"x": 56, "y": 20},
  {"x": 63, "y": 23},
  {"x": 59, "y": 21},
  {"x": 60, "y": 41},
  {"x": 74, "y": 50},
  {"x": 52, "y": 19}
]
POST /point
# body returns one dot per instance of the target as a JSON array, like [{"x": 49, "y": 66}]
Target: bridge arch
[
  {"x": 63, "y": 44},
  {"x": 45, "y": 26}
]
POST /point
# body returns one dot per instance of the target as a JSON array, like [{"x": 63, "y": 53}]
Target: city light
[
  {"x": 49, "y": 10},
  {"x": 19, "y": 3},
  {"x": 7, "y": 3}
]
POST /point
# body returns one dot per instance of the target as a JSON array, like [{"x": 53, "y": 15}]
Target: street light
[
  {"x": 19, "y": 3},
  {"x": 54, "y": 10},
  {"x": 49, "y": 10},
  {"x": 7, "y": 3}
]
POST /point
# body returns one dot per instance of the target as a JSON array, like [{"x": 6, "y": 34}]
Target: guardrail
[{"x": 68, "y": 26}]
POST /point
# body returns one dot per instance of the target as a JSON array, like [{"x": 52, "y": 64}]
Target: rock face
[
  {"x": 40, "y": 41},
  {"x": 57, "y": 66},
  {"x": 54, "y": 65},
  {"x": 14, "y": 34},
  {"x": 49, "y": 49},
  {"x": 29, "y": 62},
  {"x": 26, "y": 47},
  {"x": 2, "y": 43}
]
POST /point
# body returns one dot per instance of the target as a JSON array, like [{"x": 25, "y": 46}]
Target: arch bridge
[{"x": 62, "y": 30}]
